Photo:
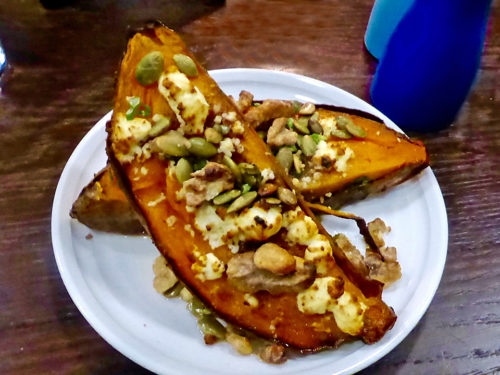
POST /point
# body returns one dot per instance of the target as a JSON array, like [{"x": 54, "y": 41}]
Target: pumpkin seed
[
  {"x": 175, "y": 291},
  {"x": 340, "y": 133},
  {"x": 287, "y": 196},
  {"x": 183, "y": 170},
  {"x": 297, "y": 162},
  {"x": 285, "y": 157},
  {"x": 243, "y": 201},
  {"x": 301, "y": 125},
  {"x": 200, "y": 147},
  {"x": 211, "y": 326},
  {"x": 186, "y": 65},
  {"x": 296, "y": 106},
  {"x": 308, "y": 146},
  {"x": 161, "y": 123},
  {"x": 250, "y": 169},
  {"x": 172, "y": 143},
  {"x": 314, "y": 124},
  {"x": 342, "y": 122},
  {"x": 356, "y": 130},
  {"x": 198, "y": 309},
  {"x": 226, "y": 197},
  {"x": 149, "y": 68},
  {"x": 307, "y": 109},
  {"x": 233, "y": 167},
  {"x": 272, "y": 201}
]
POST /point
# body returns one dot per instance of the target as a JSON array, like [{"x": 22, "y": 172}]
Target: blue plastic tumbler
[
  {"x": 384, "y": 18},
  {"x": 430, "y": 63}
]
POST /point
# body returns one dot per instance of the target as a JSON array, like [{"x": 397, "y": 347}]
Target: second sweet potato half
[{"x": 223, "y": 211}]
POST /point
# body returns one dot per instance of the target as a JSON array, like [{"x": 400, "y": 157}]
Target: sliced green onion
[
  {"x": 318, "y": 137},
  {"x": 145, "y": 110},
  {"x": 245, "y": 188}
]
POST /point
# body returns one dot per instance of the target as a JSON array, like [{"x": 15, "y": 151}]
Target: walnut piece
[
  {"x": 377, "y": 229},
  {"x": 274, "y": 354},
  {"x": 268, "y": 110},
  {"x": 207, "y": 183},
  {"x": 247, "y": 277},
  {"x": 274, "y": 258},
  {"x": 245, "y": 101},
  {"x": 280, "y": 135}
]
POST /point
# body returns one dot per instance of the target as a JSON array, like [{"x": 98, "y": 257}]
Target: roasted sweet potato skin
[
  {"x": 103, "y": 206},
  {"x": 276, "y": 317}
]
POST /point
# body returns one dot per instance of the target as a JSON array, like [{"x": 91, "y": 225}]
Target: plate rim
[{"x": 220, "y": 75}]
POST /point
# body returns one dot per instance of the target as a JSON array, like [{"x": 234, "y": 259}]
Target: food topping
[
  {"x": 280, "y": 135},
  {"x": 275, "y": 259},
  {"x": 149, "y": 68},
  {"x": 244, "y": 274},
  {"x": 245, "y": 101},
  {"x": 208, "y": 267},
  {"x": 165, "y": 278},
  {"x": 186, "y": 65},
  {"x": 186, "y": 100},
  {"x": 207, "y": 183},
  {"x": 268, "y": 110}
]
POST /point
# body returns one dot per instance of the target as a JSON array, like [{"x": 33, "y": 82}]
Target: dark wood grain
[{"x": 60, "y": 82}]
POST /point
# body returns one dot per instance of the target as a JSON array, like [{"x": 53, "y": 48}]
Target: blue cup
[{"x": 384, "y": 18}]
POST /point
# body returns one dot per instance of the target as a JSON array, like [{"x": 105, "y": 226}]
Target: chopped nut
[
  {"x": 207, "y": 183},
  {"x": 274, "y": 258},
  {"x": 165, "y": 278},
  {"x": 388, "y": 271},
  {"x": 245, "y": 101},
  {"x": 240, "y": 343},
  {"x": 377, "y": 229},
  {"x": 273, "y": 354},
  {"x": 268, "y": 110},
  {"x": 212, "y": 135},
  {"x": 287, "y": 196},
  {"x": 280, "y": 135}
]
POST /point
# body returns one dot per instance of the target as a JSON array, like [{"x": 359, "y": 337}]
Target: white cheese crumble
[
  {"x": 189, "y": 229},
  {"x": 186, "y": 100},
  {"x": 267, "y": 175},
  {"x": 208, "y": 267},
  {"x": 153, "y": 203},
  {"x": 171, "y": 220},
  {"x": 316, "y": 299},
  {"x": 328, "y": 124},
  {"x": 136, "y": 129},
  {"x": 341, "y": 162},
  {"x": 251, "y": 300},
  {"x": 257, "y": 224},
  {"x": 226, "y": 147}
]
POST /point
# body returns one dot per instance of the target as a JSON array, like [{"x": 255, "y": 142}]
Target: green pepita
[
  {"x": 285, "y": 157},
  {"x": 201, "y": 147},
  {"x": 308, "y": 145},
  {"x": 356, "y": 130},
  {"x": 149, "y": 68},
  {"x": 314, "y": 124},
  {"x": 233, "y": 167},
  {"x": 186, "y": 65},
  {"x": 183, "y": 170},
  {"x": 307, "y": 109},
  {"x": 161, "y": 123},
  {"x": 340, "y": 133},
  {"x": 175, "y": 291},
  {"x": 297, "y": 163},
  {"x": 287, "y": 196},
  {"x": 242, "y": 202},
  {"x": 198, "y": 309},
  {"x": 211, "y": 326},
  {"x": 272, "y": 201},
  {"x": 245, "y": 188},
  {"x": 172, "y": 144},
  {"x": 342, "y": 122},
  {"x": 300, "y": 125},
  {"x": 226, "y": 197}
]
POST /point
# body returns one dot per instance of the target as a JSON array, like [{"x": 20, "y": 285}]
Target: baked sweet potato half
[
  {"x": 336, "y": 171},
  {"x": 102, "y": 205},
  {"x": 222, "y": 210}
]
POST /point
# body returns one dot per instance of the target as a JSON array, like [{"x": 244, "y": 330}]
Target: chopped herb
[
  {"x": 136, "y": 108},
  {"x": 290, "y": 123},
  {"x": 245, "y": 188},
  {"x": 256, "y": 104},
  {"x": 318, "y": 137},
  {"x": 145, "y": 111}
]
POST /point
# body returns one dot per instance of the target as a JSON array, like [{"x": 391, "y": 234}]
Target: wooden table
[{"x": 60, "y": 82}]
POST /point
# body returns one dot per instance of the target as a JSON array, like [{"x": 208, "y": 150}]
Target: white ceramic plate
[{"x": 110, "y": 276}]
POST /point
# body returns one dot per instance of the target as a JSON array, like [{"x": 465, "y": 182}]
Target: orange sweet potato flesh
[{"x": 277, "y": 316}]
